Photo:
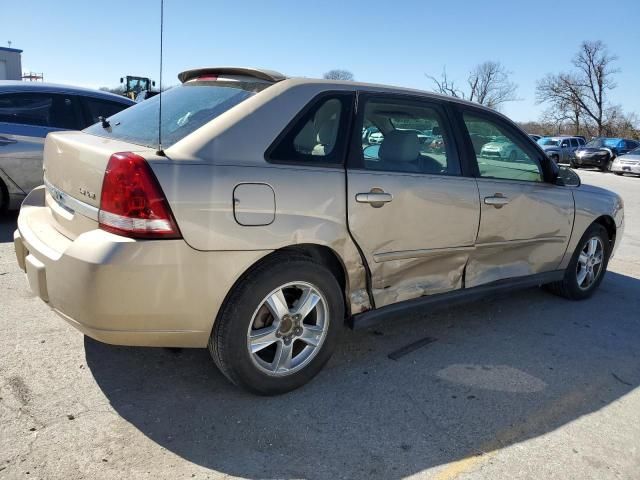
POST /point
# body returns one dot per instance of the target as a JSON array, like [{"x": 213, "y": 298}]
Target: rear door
[
  {"x": 25, "y": 120},
  {"x": 410, "y": 210},
  {"x": 525, "y": 220}
]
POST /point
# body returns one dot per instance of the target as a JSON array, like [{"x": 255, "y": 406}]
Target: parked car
[
  {"x": 262, "y": 249},
  {"x": 561, "y": 149},
  {"x": 627, "y": 163},
  {"x": 501, "y": 148},
  {"x": 28, "y": 112},
  {"x": 601, "y": 151}
]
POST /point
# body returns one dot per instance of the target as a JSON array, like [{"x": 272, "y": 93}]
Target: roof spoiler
[{"x": 268, "y": 75}]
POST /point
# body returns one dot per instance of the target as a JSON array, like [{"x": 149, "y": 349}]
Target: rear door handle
[
  {"x": 376, "y": 198},
  {"x": 497, "y": 200}
]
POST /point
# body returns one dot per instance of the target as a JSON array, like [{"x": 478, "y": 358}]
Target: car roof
[
  {"x": 7, "y": 86},
  {"x": 277, "y": 77}
]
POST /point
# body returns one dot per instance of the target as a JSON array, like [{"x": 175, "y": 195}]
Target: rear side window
[
  {"x": 102, "y": 108},
  {"x": 317, "y": 135},
  {"x": 574, "y": 142},
  {"x": 41, "y": 109},
  {"x": 185, "y": 108}
]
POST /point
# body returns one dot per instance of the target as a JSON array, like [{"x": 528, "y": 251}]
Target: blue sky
[{"x": 394, "y": 42}]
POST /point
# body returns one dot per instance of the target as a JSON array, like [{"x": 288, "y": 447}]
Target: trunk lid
[{"x": 74, "y": 164}]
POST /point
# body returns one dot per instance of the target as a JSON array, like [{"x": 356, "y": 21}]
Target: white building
[{"x": 10, "y": 64}]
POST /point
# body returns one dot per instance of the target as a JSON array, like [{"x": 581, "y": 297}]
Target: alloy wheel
[
  {"x": 590, "y": 260},
  {"x": 288, "y": 328}
]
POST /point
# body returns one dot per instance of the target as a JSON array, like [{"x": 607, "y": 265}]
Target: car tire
[
  {"x": 251, "y": 304},
  {"x": 619, "y": 173},
  {"x": 571, "y": 286}
]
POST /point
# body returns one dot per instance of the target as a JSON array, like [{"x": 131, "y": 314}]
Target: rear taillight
[{"x": 132, "y": 203}]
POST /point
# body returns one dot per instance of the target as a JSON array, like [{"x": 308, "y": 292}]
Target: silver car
[
  {"x": 254, "y": 223},
  {"x": 28, "y": 112},
  {"x": 628, "y": 163},
  {"x": 561, "y": 149}
]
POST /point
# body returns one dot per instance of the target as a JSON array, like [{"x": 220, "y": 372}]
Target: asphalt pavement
[{"x": 526, "y": 385}]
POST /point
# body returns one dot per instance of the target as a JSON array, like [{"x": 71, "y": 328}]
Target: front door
[
  {"x": 413, "y": 215},
  {"x": 525, "y": 221}
]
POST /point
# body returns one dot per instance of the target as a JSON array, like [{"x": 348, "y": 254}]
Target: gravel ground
[{"x": 524, "y": 386}]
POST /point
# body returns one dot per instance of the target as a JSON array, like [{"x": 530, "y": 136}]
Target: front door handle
[
  {"x": 376, "y": 197},
  {"x": 498, "y": 200}
]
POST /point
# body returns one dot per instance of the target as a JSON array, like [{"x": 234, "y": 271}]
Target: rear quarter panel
[{"x": 310, "y": 208}]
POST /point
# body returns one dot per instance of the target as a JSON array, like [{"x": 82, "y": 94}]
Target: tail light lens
[{"x": 132, "y": 203}]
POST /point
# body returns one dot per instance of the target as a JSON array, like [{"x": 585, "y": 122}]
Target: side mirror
[
  {"x": 121, "y": 80},
  {"x": 567, "y": 177},
  {"x": 153, "y": 84}
]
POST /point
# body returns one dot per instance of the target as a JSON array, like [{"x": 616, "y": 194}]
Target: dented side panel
[
  {"x": 526, "y": 236},
  {"x": 417, "y": 244}
]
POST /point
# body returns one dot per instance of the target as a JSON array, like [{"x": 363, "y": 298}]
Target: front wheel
[
  {"x": 587, "y": 266},
  {"x": 279, "y": 326}
]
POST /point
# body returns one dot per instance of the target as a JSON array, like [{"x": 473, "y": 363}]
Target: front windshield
[
  {"x": 548, "y": 142},
  {"x": 603, "y": 142}
]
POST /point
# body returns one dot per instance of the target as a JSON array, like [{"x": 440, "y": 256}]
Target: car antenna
[{"x": 160, "y": 151}]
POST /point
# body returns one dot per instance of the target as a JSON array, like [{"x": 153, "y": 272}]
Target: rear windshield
[{"x": 185, "y": 108}]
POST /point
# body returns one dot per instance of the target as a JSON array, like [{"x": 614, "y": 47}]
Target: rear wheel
[
  {"x": 618, "y": 173},
  {"x": 280, "y": 325},
  {"x": 587, "y": 266}
]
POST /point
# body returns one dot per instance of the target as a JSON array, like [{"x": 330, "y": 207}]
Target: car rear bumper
[{"x": 122, "y": 291}]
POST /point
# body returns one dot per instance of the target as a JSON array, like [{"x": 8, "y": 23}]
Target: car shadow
[
  {"x": 8, "y": 224},
  {"x": 500, "y": 371}
]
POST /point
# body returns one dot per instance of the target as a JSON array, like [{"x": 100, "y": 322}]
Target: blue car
[{"x": 28, "y": 112}]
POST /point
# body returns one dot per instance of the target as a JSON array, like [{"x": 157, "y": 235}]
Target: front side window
[
  {"x": 565, "y": 144},
  {"x": 403, "y": 136},
  {"x": 51, "y": 110},
  {"x": 26, "y": 108},
  {"x": 574, "y": 142},
  {"x": 498, "y": 152}
]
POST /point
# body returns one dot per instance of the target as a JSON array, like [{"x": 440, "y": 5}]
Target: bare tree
[
  {"x": 445, "y": 85},
  {"x": 338, "y": 74},
  {"x": 582, "y": 91},
  {"x": 488, "y": 84}
]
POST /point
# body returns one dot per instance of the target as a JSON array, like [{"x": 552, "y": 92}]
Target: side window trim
[
  {"x": 344, "y": 130},
  {"x": 354, "y": 158},
  {"x": 522, "y": 141}
]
